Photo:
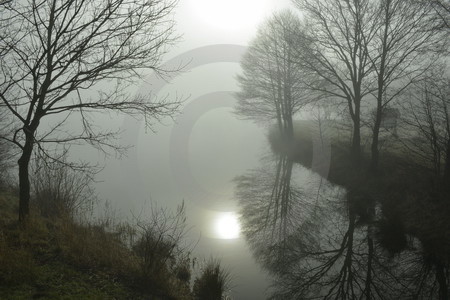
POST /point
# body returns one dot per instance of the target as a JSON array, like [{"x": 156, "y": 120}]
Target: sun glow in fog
[
  {"x": 230, "y": 14},
  {"x": 227, "y": 226}
]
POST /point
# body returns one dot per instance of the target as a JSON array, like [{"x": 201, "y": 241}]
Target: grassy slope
[{"x": 53, "y": 260}]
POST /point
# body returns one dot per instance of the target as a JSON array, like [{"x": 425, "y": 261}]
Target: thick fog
[
  {"x": 303, "y": 144},
  {"x": 195, "y": 156}
]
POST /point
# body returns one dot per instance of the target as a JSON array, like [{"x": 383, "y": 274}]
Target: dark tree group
[{"x": 371, "y": 79}]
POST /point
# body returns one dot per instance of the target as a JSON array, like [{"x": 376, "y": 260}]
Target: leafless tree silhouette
[
  {"x": 339, "y": 33},
  {"x": 68, "y": 59},
  {"x": 323, "y": 244},
  {"x": 271, "y": 85},
  {"x": 427, "y": 118},
  {"x": 400, "y": 52}
]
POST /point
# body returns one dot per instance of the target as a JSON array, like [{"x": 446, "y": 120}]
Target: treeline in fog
[{"x": 352, "y": 201}]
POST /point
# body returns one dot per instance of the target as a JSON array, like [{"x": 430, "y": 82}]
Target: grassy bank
[{"x": 60, "y": 259}]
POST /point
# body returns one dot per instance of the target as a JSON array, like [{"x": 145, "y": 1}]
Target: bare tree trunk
[
  {"x": 24, "y": 180},
  {"x": 381, "y": 86},
  {"x": 356, "y": 141},
  {"x": 375, "y": 137},
  {"x": 347, "y": 291},
  {"x": 368, "y": 290}
]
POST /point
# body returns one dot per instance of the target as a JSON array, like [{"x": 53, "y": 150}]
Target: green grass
[
  {"x": 61, "y": 281},
  {"x": 34, "y": 264},
  {"x": 59, "y": 259}
]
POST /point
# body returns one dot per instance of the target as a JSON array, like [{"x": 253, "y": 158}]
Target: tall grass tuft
[{"x": 213, "y": 282}]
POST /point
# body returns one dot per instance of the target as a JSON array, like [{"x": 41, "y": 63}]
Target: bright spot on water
[{"x": 227, "y": 226}]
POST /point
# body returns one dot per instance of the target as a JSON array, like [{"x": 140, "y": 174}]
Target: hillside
[{"x": 59, "y": 259}]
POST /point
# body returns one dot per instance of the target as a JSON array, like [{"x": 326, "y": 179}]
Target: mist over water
[
  {"x": 307, "y": 149},
  {"x": 200, "y": 172}
]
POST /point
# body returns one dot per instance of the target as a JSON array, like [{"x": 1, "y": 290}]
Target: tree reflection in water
[{"x": 317, "y": 241}]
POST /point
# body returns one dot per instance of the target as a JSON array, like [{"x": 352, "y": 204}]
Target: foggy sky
[{"x": 220, "y": 147}]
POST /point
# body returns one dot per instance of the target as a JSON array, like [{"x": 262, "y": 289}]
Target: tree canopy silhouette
[
  {"x": 73, "y": 58},
  {"x": 271, "y": 84}
]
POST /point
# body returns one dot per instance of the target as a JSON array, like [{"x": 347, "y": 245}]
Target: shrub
[
  {"x": 104, "y": 259},
  {"x": 212, "y": 283},
  {"x": 164, "y": 262},
  {"x": 60, "y": 191}
]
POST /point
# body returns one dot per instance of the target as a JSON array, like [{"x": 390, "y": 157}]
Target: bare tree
[
  {"x": 339, "y": 32},
  {"x": 271, "y": 84},
  {"x": 427, "y": 116},
  {"x": 5, "y": 2},
  {"x": 403, "y": 36},
  {"x": 56, "y": 55},
  {"x": 314, "y": 243},
  {"x": 442, "y": 8},
  {"x": 269, "y": 195}
]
